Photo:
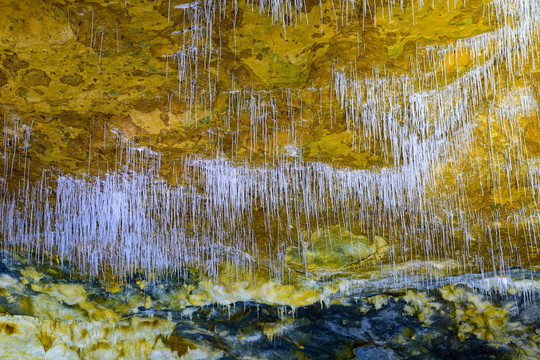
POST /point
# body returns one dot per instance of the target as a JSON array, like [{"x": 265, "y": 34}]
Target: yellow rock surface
[{"x": 333, "y": 249}]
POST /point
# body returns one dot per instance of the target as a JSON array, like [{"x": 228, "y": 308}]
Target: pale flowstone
[
  {"x": 66, "y": 325},
  {"x": 33, "y": 338}
]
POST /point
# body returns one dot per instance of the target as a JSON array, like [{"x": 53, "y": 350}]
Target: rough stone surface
[{"x": 35, "y": 77}]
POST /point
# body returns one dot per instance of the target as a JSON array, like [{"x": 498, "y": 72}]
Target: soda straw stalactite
[{"x": 447, "y": 133}]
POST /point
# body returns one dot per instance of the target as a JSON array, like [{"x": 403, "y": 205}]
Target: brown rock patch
[
  {"x": 8, "y": 328},
  {"x": 3, "y": 79},
  {"x": 22, "y": 92},
  {"x": 73, "y": 80},
  {"x": 12, "y": 63},
  {"x": 35, "y": 77},
  {"x": 179, "y": 345}
]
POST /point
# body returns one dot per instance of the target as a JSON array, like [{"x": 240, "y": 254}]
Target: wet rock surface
[
  {"x": 437, "y": 322},
  {"x": 342, "y": 332}
]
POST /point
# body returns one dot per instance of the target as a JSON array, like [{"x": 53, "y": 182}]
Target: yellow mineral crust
[
  {"x": 64, "y": 324},
  {"x": 273, "y": 329},
  {"x": 264, "y": 292},
  {"x": 421, "y": 305},
  {"x": 378, "y": 301},
  {"x": 477, "y": 316},
  {"x": 25, "y": 337}
]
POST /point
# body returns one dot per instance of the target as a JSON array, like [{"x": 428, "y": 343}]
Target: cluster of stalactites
[
  {"x": 199, "y": 53},
  {"x": 133, "y": 221},
  {"x": 224, "y": 212}
]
